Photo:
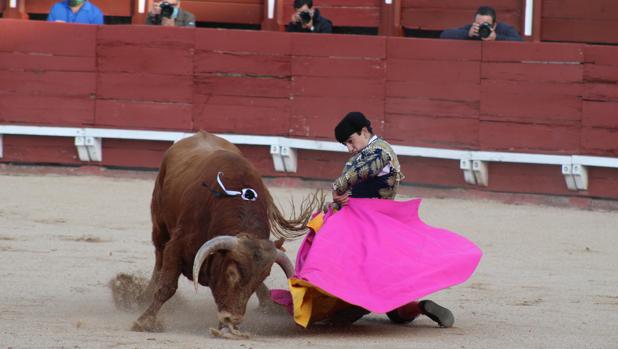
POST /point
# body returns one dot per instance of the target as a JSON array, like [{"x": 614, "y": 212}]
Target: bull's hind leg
[{"x": 165, "y": 288}]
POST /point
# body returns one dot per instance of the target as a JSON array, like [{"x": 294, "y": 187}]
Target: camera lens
[{"x": 485, "y": 30}]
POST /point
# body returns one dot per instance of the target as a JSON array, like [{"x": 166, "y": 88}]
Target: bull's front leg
[{"x": 167, "y": 284}]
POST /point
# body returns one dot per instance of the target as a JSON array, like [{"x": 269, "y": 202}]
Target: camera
[
  {"x": 305, "y": 17},
  {"x": 167, "y": 9},
  {"x": 485, "y": 30}
]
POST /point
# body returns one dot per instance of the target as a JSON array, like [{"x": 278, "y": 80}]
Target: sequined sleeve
[{"x": 368, "y": 165}]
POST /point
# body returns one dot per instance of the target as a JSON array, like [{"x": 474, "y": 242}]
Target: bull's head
[{"x": 235, "y": 269}]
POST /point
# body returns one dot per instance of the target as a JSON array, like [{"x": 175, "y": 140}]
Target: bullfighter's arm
[{"x": 367, "y": 166}]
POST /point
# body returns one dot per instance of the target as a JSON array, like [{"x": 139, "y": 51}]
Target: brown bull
[{"x": 212, "y": 217}]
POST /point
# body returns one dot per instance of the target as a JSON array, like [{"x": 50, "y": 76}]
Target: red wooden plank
[
  {"x": 534, "y": 52},
  {"x": 39, "y": 150},
  {"x": 46, "y": 110},
  {"x": 271, "y": 66},
  {"x": 352, "y": 17},
  {"x": 338, "y": 67},
  {"x": 432, "y": 131},
  {"x": 542, "y": 102},
  {"x": 535, "y": 138},
  {"x": 433, "y": 72},
  {"x": 232, "y": 85},
  {"x": 601, "y": 91},
  {"x": 432, "y": 107},
  {"x": 527, "y": 178},
  {"x": 143, "y": 115},
  {"x": 318, "y": 165},
  {"x": 533, "y": 72},
  {"x": 325, "y": 45},
  {"x": 43, "y": 38},
  {"x": 141, "y": 59},
  {"x": 429, "y": 49},
  {"x": 439, "y": 19},
  {"x": 604, "y": 55},
  {"x": 261, "y": 159},
  {"x": 225, "y": 11},
  {"x": 48, "y": 83},
  {"x": 434, "y": 172},
  {"x": 600, "y": 114},
  {"x": 590, "y": 31},
  {"x": 454, "y": 91},
  {"x": 598, "y": 10},
  {"x": 601, "y": 73},
  {"x": 147, "y": 87},
  {"x": 172, "y": 38},
  {"x": 35, "y": 62},
  {"x": 244, "y": 118},
  {"x": 316, "y": 117},
  {"x": 603, "y": 182},
  {"x": 133, "y": 154},
  {"x": 599, "y": 141},
  {"x": 253, "y": 42},
  {"x": 343, "y": 87}
]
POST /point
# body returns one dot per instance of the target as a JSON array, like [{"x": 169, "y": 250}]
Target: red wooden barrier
[
  {"x": 433, "y": 92},
  {"x": 542, "y": 98},
  {"x": 230, "y": 11},
  {"x": 580, "y": 21},
  {"x": 44, "y": 78}
]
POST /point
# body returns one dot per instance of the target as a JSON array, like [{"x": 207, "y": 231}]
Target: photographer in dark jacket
[
  {"x": 168, "y": 13},
  {"x": 307, "y": 19},
  {"x": 483, "y": 28}
]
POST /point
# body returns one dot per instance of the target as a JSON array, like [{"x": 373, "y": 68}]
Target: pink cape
[{"x": 379, "y": 255}]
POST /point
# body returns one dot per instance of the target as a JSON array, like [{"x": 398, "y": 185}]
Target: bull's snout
[{"x": 227, "y": 318}]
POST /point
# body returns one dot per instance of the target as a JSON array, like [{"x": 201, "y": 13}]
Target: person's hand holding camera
[
  {"x": 474, "y": 30},
  {"x": 155, "y": 9}
]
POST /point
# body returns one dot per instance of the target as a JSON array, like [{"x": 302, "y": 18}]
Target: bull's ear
[{"x": 232, "y": 274}]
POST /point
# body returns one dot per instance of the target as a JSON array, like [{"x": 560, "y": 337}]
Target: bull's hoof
[{"x": 147, "y": 325}]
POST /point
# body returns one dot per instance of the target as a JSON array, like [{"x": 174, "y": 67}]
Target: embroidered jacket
[{"x": 372, "y": 173}]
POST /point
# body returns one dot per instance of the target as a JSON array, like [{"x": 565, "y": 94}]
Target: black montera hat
[{"x": 351, "y": 123}]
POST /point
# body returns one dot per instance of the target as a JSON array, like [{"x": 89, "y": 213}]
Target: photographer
[
  {"x": 306, "y": 19},
  {"x": 483, "y": 28},
  {"x": 168, "y": 13}
]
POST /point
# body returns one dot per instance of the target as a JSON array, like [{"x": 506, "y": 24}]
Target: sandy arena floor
[{"x": 548, "y": 278}]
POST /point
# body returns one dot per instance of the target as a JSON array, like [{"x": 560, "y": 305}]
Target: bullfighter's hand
[{"x": 341, "y": 199}]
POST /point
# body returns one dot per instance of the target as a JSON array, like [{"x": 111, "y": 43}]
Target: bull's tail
[{"x": 295, "y": 226}]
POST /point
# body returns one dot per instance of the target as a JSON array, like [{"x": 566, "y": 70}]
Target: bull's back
[{"x": 183, "y": 165}]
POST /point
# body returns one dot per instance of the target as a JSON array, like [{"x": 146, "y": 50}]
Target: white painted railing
[{"x": 283, "y": 150}]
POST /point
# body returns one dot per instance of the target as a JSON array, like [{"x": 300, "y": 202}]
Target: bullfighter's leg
[
  {"x": 406, "y": 313},
  {"x": 164, "y": 290}
]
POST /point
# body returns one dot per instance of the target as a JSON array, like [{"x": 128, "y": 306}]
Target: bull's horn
[
  {"x": 209, "y": 247},
  {"x": 285, "y": 263}
]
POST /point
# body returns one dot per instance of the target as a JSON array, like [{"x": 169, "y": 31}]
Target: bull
[{"x": 212, "y": 217}]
